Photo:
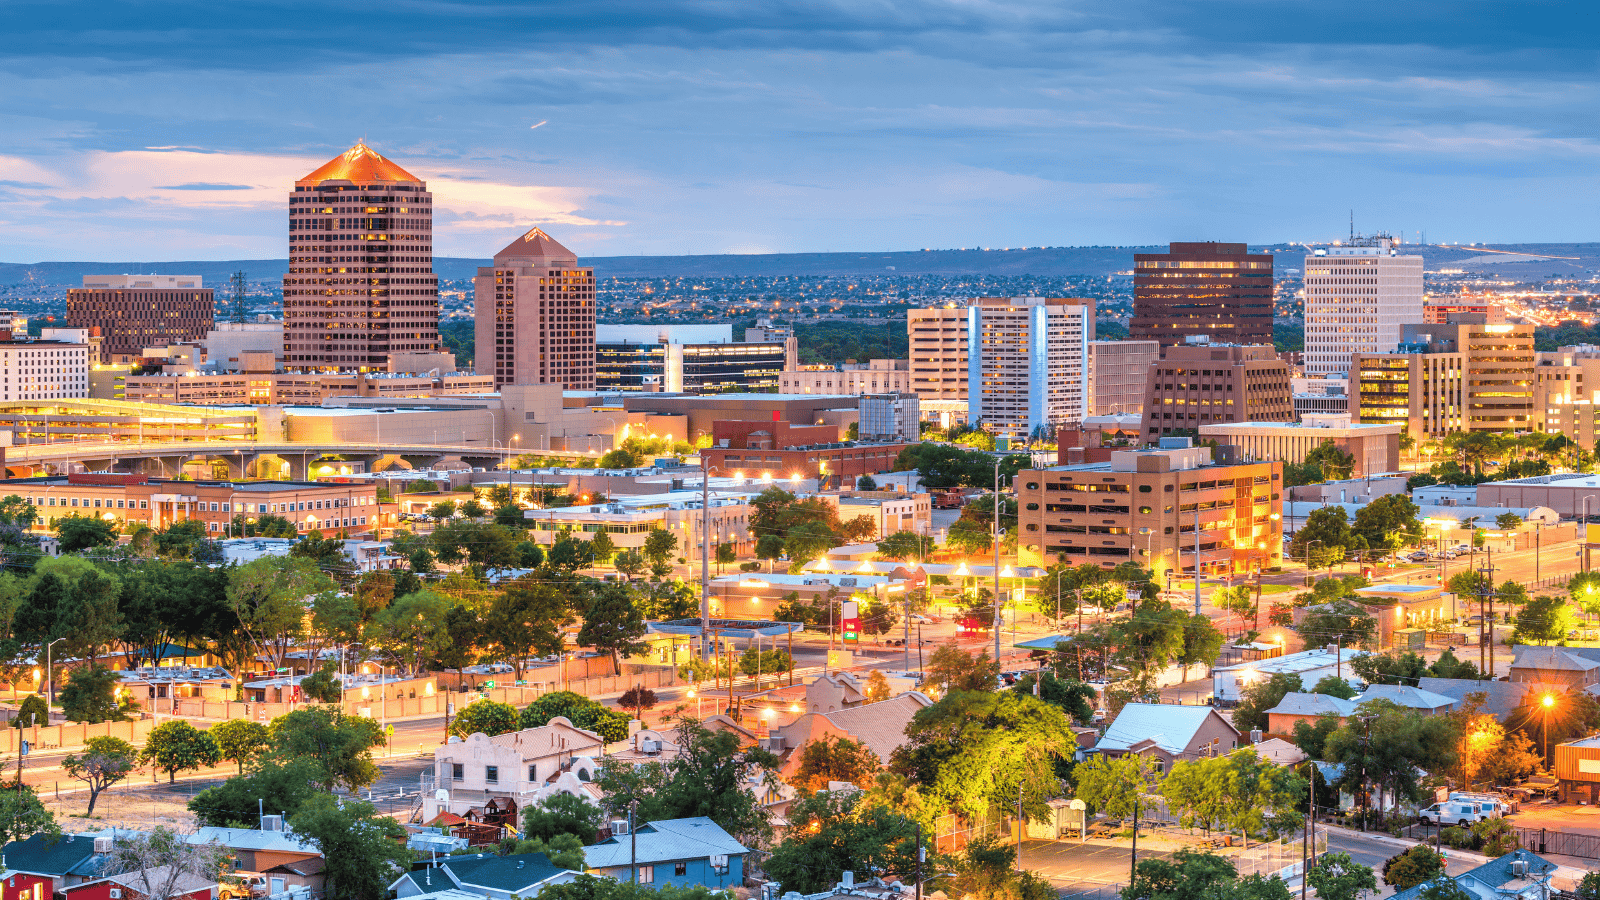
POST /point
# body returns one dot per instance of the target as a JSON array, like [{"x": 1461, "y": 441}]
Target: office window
[
  {"x": 491, "y": 774},
  {"x": 144, "y": 504}
]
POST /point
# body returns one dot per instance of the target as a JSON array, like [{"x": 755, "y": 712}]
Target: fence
[
  {"x": 1282, "y": 857},
  {"x": 72, "y": 734},
  {"x": 1561, "y": 843}
]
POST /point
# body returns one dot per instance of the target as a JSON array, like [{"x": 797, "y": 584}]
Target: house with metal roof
[
  {"x": 1555, "y": 667},
  {"x": 1500, "y": 698},
  {"x": 1304, "y": 706},
  {"x": 1408, "y": 697},
  {"x": 1519, "y": 875},
  {"x": 483, "y": 875},
  {"x": 1169, "y": 733},
  {"x": 682, "y": 852},
  {"x": 42, "y": 866},
  {"x": 1228, "y": 682}
]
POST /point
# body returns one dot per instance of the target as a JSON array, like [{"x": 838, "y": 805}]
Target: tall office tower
[
  {"x": 1220, "y": 291},
  {"x": 1028, "y": 363},
  {"x": 534, "y": 313},
  {"x": 1464, "y": 375},
  {"x": 1358, "y": 295},
  {"x": 138, "y": 311},
  {"x": 1201, "y": 383},
  {"x": 938, "y": 353},
  {"x": 1117, "y": 373},
  {"x": 360, "y": 284}
]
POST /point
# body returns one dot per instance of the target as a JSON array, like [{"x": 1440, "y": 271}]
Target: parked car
[
  {"x": 1453, "y": 812},
  {"x": 1419, "y": 556},
  {"x": 924, "y": 619}
]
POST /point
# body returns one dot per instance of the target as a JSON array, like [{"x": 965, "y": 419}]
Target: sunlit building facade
[
  {"x": 534, "y": 315},
  {"x": 1358, "y": 297},
  {"x": 1219, "y": 291}
]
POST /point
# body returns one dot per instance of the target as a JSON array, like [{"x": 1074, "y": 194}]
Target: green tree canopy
[
  {"x": 240, "y": 740},
  {"x": 175, "y": 746},
  {"x": 836, "y": 832},
  {"x": 340, "y": 745},
  {"x": 833, "y": 758},
  {"x": 1391, "y": 521},
  {"x": 484, "y": 716},
  {"x": 362, "y": 851},
  {"x": 559, "y": 814},
  {"x": 1259, "y": 696},
  {"x": 1326, "y": 535},
  {"x": 274, "y": 786},
  {"x": 103, "y": 762},
  {"x": 1412, "y": 867}
]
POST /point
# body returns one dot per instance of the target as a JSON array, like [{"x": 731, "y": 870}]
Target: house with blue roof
[
  {"x": 683, "y": 852},
  {"x": 483, "y": 875},
  {"x": 1519, "y": 875}
]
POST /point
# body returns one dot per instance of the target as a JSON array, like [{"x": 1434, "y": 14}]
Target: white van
[
  {"x": 1453, "y": 812},
  {"x": 1493, "y": 807}
]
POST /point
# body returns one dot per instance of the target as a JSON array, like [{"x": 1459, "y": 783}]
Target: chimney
[{"x": 1255, "y": 735}]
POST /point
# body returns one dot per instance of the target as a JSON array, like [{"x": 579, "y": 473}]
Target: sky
[{"x": 168, "y": 130}]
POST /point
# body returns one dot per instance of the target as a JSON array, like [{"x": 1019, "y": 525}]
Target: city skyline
[{"x": 689, "y": 128}]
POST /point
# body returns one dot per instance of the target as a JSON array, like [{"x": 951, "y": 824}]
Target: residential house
[
  {"x": 1500, "y": 698},
  {"x": 40, "y": 867},
  {"x": 1279, "y": 752},
  {"x": 483, "y": 875},
  {"x": 681, "y": 852},
  {"x": 881, "y": 726},
  {"x": 153, "y": 882},
  {"x": 286, "y": 859},
  {"x": 1168, "y": 733},
  {"x": 1303, "y": 706},
  {"x": 1519, "y": 875},
  {"x": 1557, "y": 668},
  {"x": 1426, "y": 702},
  {"x": 1228, "y": 682},
  {"x": 525, "y": 766}
]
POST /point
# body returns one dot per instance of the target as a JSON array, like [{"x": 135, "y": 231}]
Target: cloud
[{"x": 204, "y": 186}]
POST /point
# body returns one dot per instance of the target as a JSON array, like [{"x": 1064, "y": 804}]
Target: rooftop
[
  {"x": 1304, "y": 661},
  {"x": 664, "y": 841},
  {"x": 1171, "y": 727},
  {"x": 360, "y": 164}
]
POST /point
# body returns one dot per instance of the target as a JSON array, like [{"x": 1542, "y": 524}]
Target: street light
[
  {"x": 49, "y": 673},
  {"x": 1548, "y": 702}
]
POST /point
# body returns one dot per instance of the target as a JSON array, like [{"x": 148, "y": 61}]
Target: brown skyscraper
[
  {"x": 360, "y": 284},
  {"x": 138, "y": 311},
  {"x": 1221, "y": 291},
  {"x": 534, "y": 315}
]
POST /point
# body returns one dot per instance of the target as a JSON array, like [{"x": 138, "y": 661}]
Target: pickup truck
[{"x": 1541, "y": 785}]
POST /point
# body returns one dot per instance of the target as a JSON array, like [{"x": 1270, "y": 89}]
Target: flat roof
[
  {"x": 733, "y": 628},
  {"x": 1298, "y": 426}
]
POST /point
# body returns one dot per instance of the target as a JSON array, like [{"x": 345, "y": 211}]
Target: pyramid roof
[
  {"x": 360, "y": 164},
  {"x": 535, "y": 248}
]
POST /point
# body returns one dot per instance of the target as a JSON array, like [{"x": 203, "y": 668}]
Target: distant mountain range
[{"x": 1543, "y": 260}]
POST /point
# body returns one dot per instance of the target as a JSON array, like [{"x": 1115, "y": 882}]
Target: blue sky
[{"x": 173, "y": 130}]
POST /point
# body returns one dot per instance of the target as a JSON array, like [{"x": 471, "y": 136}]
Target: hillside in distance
[{"x": 1543, "y": 260}]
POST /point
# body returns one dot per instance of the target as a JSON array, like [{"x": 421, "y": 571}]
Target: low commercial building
[
  {"x": 1228, "y": 682},
  {"x": 1144, "y": 506},
  {"x": 889, "y": 511},
  {"x": 1199, "y": 383},
  {"x": 845, "y": 459},
  {"x": 1465, "y": 374},
  {"x": 875, "y": 376},
  {"x": 159, "y": 503},
  {"x": 628, "y": 521},
  {"x": 1375, "y": 448},
  {"x": 296, "y": 389}
]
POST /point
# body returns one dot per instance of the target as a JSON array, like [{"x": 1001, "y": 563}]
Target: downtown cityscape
[{"x": 590, "y": 473}]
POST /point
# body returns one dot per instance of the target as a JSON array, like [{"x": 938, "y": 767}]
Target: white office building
[
  {"x": 53, "y": 367},
  {"x": 1028, "y": 363},
  {"x": 1357, "y": 297}
]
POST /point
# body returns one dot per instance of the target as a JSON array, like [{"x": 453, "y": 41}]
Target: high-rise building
[
  {"x": 1199, "y": 383},
  {"x": 1466, "y": 375},
  {"x": 1357, "y": 297},
  {"x": 534, "y": 315},
  {"x": 1222, "y": 292},
  {"x": 1117, "y": 372},
  {"x": 133, "y": 312},
  {"x": 1143, "y": 507},
  {"x": 938, "y": 352},
  {"x": 699, "y": 359},
  {"x": 764, "y": 332},
  {"x": 360, "y": 284},
  {"x": 1028, "y": 363},
  {"x": 1438, "y": 312}
]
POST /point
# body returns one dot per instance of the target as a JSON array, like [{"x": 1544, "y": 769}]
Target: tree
[
  {"x": 769, "y": 547},
  {"x": 877, "y": 687},
  {"x": 904, "y": 545},
  {"x": 269, "y": 597},
  {"x": 629, "y": 563},
  {"x": 362, "y": 850},
  {"x": 659, "y": 545},
  {"x": 839, "y": 832},
  {"x": 1112, "y": 785},
  {"x": 1239, "y": 790},
  {"x": 1389, "y": 522},
  {"x": 602, "y": 546},
  {"x": 561, "y": 813},
  {"x": 711, "y": 776},
  {"x": 1390, "y": 749},
  {"x": 275, "y": 787},
  {"x": 1589, "y": 887},
  {"x": 473, "y": 508},
  {"x": 323, "y": 685},
  {"x": 988, "y": 869},
  {"x": 104, "y": 762},
  {"x": 1390, "y": 668},
  {"x": 1074, "y": 698},
  {"x": 1258, "y": 697},
  {"x": 1334, "y": 686},
  {"x": 31, "y": 711},
  {"x": 484, "y": 716},
  {"x": 638, "y": 698},
  {"x": 977, "y": 751},
  {"x": 1341, "y": 622},
  {"x": 612, "y": 624},
  {"x": 1326, "y": 535},
  {"x": 78, "y": 533},
  {"x": 1412, "y": 867},
  {"x": 1187, "y": 875},
  {"x": 1239, "y": 600},
  {"x": 240, "y": 740},
  {"x": 1312, "y": 737},
  {"x": 589, "y": 887},
  {"x": 340, "y": 745},
  {"x": 176, "y": 746},
  {"x": 1544, "y": 619},
  {"x": 90, "y": 696},
  {"x": 158, "y": 863},
  {"x": 525, "y": 620},
  {"x": 577, "y": 709},
  {"x": 727, "y": 555},
  {"x": 327, "y": 553},
  {"x": 954, "y": 669},
  {"x": 22, "y": 816},
  {"x": 441, "y": 510},
  {"x": 832, "y": 758}
]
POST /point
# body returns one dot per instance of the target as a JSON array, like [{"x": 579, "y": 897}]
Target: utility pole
[
  {"x": 998, "y": 608},
  {"x": 1197, "y": 558},
  {"x": 705, "y": 556}
]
